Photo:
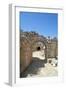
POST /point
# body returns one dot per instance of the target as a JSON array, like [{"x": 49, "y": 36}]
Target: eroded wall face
[
  {"x": 25, "y": 55},
  {"x": 52, "y": 50}
]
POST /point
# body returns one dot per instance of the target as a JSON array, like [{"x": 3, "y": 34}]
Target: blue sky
[{"x": 45, "y": 24}]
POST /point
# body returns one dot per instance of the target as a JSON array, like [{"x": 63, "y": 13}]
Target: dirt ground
[{"x": 39, "y": 68}]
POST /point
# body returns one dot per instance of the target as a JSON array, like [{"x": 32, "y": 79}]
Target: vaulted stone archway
[
  {"x": 27, "y": 47},
  {"x": 40, "y": 44}
]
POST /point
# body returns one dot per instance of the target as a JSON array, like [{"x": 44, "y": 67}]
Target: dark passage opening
[{"x": 38, "y": 48}]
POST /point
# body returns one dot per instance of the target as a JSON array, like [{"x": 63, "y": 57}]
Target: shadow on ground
[{"x": 33, "y": 68}]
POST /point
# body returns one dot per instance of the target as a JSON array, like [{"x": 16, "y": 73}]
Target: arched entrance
[
  {"x": 39, "y": 45},
  {"x": 27, "y": 48},
  {"x": 38, "y": 50}
]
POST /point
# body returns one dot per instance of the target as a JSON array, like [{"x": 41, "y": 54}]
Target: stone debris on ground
[{"x": 39, "y": 69}]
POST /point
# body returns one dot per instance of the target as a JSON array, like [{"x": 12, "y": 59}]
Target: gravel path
[{"x": 39, "y": 68}]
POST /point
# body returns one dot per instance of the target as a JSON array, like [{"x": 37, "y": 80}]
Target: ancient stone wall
[
  {"x": 25, "y": 54},
  {"x": 52, "y": 51},
  {"x": 30, "y": 42}
]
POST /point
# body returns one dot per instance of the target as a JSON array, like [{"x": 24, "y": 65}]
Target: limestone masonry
[{"x": 31, "y": 42}]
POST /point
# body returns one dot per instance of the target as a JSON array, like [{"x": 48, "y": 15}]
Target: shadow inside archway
[{"x": 33, "y": 68}]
